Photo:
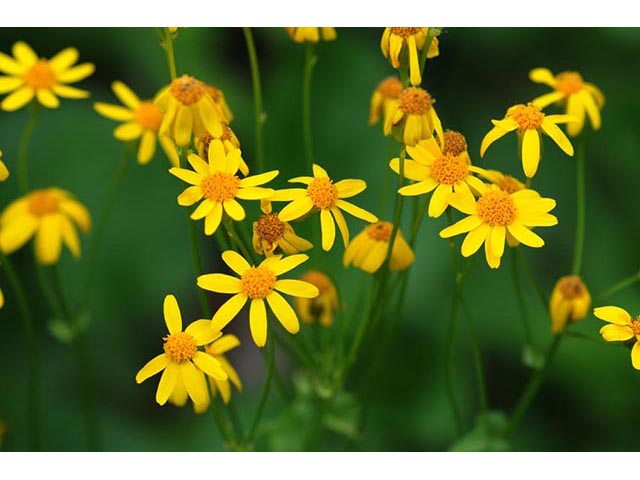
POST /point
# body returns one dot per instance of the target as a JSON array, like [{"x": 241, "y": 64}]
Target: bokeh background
[{"x": 590, "y": 401}]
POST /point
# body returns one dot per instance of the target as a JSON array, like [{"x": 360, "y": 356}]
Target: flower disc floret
[
  {"x": 449, "y": 169},
  {"x": 258, "y": 282},
  {"x": 380, "y": 231},
  {"x": 220, "y": 186},
  {"x": 529, "y": 117},
  {"x": 415, "y": 101},
  {"x": 496, "y": 207},
  {"x": 40, "y": 75},
  {"x": 270, "y": 227},
  {"x": 323, "y": 193},
  {"x": 180, "y": 347},
  {"x": 187, "y": 90},
  {"x": 43, "y": 202}
]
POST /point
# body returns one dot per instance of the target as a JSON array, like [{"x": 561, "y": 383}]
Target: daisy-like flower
[
  {"x": 406, "y": 41},
  {"x": 217, "y": 95},
  {"x": 188, "y": 109},
  {"x": 181, "y": 360},
  {"x": 384, "y": 97},
  {"x": 321, "y": 308},
  {"x": 218, "y": 183},
  {"x": 269, "y": 233},
  {"x": 28, "y": 76},
  {"x": 443, "y": 172},
  {"x": 412, "y": 118},
  {"x": 570, "y": 300},
  {"x": 576, "y": 95},
  {"x": 4, "y": 172},
  {"x": 229, "y": 142},
  {"x": 51, "y": 215},
  {"x": 623, "y": 327},
  {"x": 323, "y": 195},
  {"x": 529, "y": 123},
  {"x": 142, "y": 119},
  {"x": 506, "y": 182},
  {"x": 497, "y": 215},
  {"x": 258, "y": 284},
  {"x": 311, "y": 34},
  {"x": 369, "y": 248}
]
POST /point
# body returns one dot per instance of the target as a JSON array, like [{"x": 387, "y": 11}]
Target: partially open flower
[
  {"x": 229, "y": 141},
  {"x": 384, "y": 97},
  {"x": 412, "y": 118},
  {"x": 401, "y": 45},
  {"x": 321, "y": 308},
  {"x": 311, "y": 34},
  {"x": 570, "y": 300},
  {"x": 269, "y": 233}
]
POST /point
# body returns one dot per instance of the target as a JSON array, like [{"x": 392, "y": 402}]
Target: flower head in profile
[
  {"x": 311, "y": 34},
  {"x": 28, "y": 76},
  {"x": 271, "y": 233},
  {"x": 368, "y": 249},
  {"x": 217, "y": 95},
  {"x": 4, "y": 171},
  {"x": 142, "y": 120},
  {"x": 578, "y": 97},
  {"x": 529, "y": 122},
  {"x": 257, "y": 284},
  {"x": 412, "y": 118},
  {"x": 52, "y": 216},
  {"x": 217, "y": 182},
  {"x": 405, "y": 42},
  {"x": 498, "y": 216},
  {"x": 570, "y": 300},
  {"x": 229, "y": 141},
  {"x": 321, "y": 308},
  {"x": 384, "y": 97},
  {"x": 182, "y": 364},
  {"x": 323, "y": 195},
  {"x": 622, "y": 327}
]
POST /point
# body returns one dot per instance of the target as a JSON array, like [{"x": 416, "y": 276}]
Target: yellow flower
[
  {"x": 324, "y": 305},
  {"x": 1, "y": 299},
  {"x": 497, "y": 215},
  {"x": 311, "y": 34},
  {"x": 181, "y": 360},
  {"x": 51, "y": 215},
  {"x": 384, "y": 97},
  {"x": 412, "y": 118},
  {"x": 369, "y": 248},
  {"x": 623, "y": 328},
  {"x": 505, "y": 182},
  {"x": 229, "y": 142},
  {"x": 188, "y": 108},
  {"x": 4, "y": 172},
  {"x": 411, "y": 39},
  {"x": 218, "y": 183},
  {"x": 269, "y": 233},
  {"x": 570, "y": 300},
  {"x": 29, "y": 76},
  {"x": 217, "y": 95},
  {"x": 322, "y": 194},
  {"x": 142, "y": 119},
  {"x": 3, "y": 429},
  {"x": 258, "y": 284},
  {"x": 577, "y": 96},
  {"x": 530, "y": 123},
  {"x": 448, "y": 174}
]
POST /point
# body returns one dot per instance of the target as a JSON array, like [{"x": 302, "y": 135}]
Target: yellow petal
[
  {"x": 462, "y": 226},
  {"x": 64, "y": 59},
  {"x": 66, "y": 91},
  {"x": 113, "y": 112},
  {"x": 296, "y": 209},
  {"x": 47, "y": 98},
  {"x": 17, "y": 99},
  {"x": 170, "y": 150},
  {"x": 349, "y": 188},
  {"x": 172, "y": 316},
  {"x": 210, "y": 116},
  {"x": 125, "y": 95},
  {"x": 167, "y": 382},
  {"x": 128, "y": 131},
  {"x": 228, "y": 311},
  {"x": 283, "y": 312},
  {"x": 439, "y": 200},
  {"x": 183, "y": 126},
  {"x": 190, "y": 196},
  {"x": 319, "y": 172},
  {"x": 498, "y": 234},
  {"x": 202, "y": 332},
  {"x": 525, "y": 236},
  {"x": 24, "y": 54},
  {"x": 342, "y": 226},
  {"x": 616, "y": 333},
  {"x": 254, "y": 193},
  {"x": 198, "y": 164},
  {"x": 185, "y": 175},
  {"x": 297, "y": 288},
  {"x": 474, "y": 240},
  {"x": 232, "y": 163},
  {"x": 575, "y": 109},
  {"x": 15, "y": 234},
  {"x": 547, "y": 99},
  {"x": 258, "y": 321},
  {"x": 358, "y": 212},
  {"x": 8, "y": 84},
  {"x": 210, "y": 366},
  {"x": 494, "y": 134},
  {"x": 328, "y": 228},
  {"x": 234, "y": 210},
  {"x": 286, "y": 264},
  {"x": 203, "y": 209},
  {"x": 635, "y": 356},
  {"x": 530, "y": 152},
  {"x": 592, "y": 109},
  {"x": 224, "y": 344},
  {"x": 194, "y": 382},
  {"x": 412, "y": 170},
  {"x": 616, "y": 315},
  {"x": 219, "y": 282},
  {"x": 78, "y": 213},
  {"x": 542, "y": 75},
  {"x": 261, "y": 179},
  {"x": 414, "y": 66},
  {"x": 77, "y": 73},
  {"x": 152, "y": 367},
  {"x": 212, "y": 221},
  {"x": 9, "y": 66},
  {"x": 558, "y": 136},
  {"x": 48, "y": 241},
  {"x": 69, "y": 236},
  {"x": 419, "y": 188},
  {"x": 216, "y": 156}
]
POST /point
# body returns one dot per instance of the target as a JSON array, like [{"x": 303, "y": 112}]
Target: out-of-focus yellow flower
[
  {"x": 4, "y": 172},
  {"x": 3, "y": 430},
  {"x": 217, "y": 95},
  {"x": 384, "y": 97},
  {"x": 570, "y": 300},
  {"x": 1, "y": 298},
  {"x": 323, "y": 195},
  {"x": 142, "y": 119},
  {"x": 369, "y": 248},
  {"x": 498, "y": 214},
  {"x": 623, "y": 327},
  {"x": 399, "y": 42},
  {"x": 269, "y": 233},
  {"x": 218, "y": 183},
  {"x": 229, "y": 141},
  {"x": 577, "y": 96},
  {"x": 28, "y": 76},
  {"x": 321, "y": 308},
  {"x": 529, "y": 123},
  {"x": 311, "y": 34},
  {"x": 505, "y": 182},
  {"x": 51, "y": 215},
  {"x": 258, "y": 284},
  {"x": 412, "y": 118},
  {"x": 182, "y": 364}
]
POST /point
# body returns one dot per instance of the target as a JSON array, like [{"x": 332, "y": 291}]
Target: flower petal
[
  {"x": 210, "y": 366},
  {"x": 616, "y": 315},
  {"x": 220, "y": 283},
  {"x": 202, "y": 332},
  {"x": 228, "y": 311},
  {"x": 183, "y": 126},
  {"x": 194, "y": 382},
  {"x": 113, "y": 112},
  {"x": 616, "y": 333},
  {"x": 350, "y": 187},
  {"x": 524, "y": 235},
  {"x": 76, "y": 73},
  {"x": 297, "y": 288},
  {"x": 185, "y": 175},
  {"x": 474, "y": 240},
  {"x": 283, "y": 312},
  {"x": 235, "y": 261},
  {"x": 172, "y": 316},
  {"x": 63, "y": 59},
  {"x": 147, "y": 147},
  {"x": 128, "y": 131},
  {"x": 635, "y": 356},
  {"x": 358, "y": 212},
  {"x": 16, "y": 233},
  {"x": 48, "y": 242},
  {"x": 258, "y": 321},
  {"x": 319, "y": 172},
  {"x": 342, "y": 226},
  {"x": 17, "y": 99},
  {"x": 328, "y": 228},
  {"x": 234, "y": 209},
  {"x": 167, "y": 382},
  {"x": 530, "y": 152},
  {"x": 286, "y": 264},
  {"x": 24, "y": 54},
  {"x": 224, "y": 344},
  {"x": 152, "y": 367},
  {"x": 125, "y": 95},
  {"x": 8, "y": 84},
  {"x": 261, "y": 179},
  {"x": 542, "y": 75},
  {"x": 558, "y": 136},
  {"x": 203, "y": 209},
  {"x": 296, "y": 209},
  {"x": 190, "y": 196},
  {"x": 212, "y": 221}
]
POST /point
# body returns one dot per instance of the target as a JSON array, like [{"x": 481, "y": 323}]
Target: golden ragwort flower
[
  {"x": 623, "y": 327},
  {"x": 398, "y": 43},
  {"x": 269, "y": 233},
  {"x": 412, "y": 118},
  {"x": 28, "y": 76},
  {"x": 1, "y": 299},
  {"x": 311, "y": 34},
  {"x": 217, "y": 95},
  {"x": 383, "y": 98},
  {"x": 570, "y": 300},
  {"x": 321, "y": 308},
  {"x": 4, "y": 171},
  {"x": 229, "y": 141}
]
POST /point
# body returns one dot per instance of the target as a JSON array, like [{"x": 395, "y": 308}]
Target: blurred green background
[{"x": 591, "y": 397}]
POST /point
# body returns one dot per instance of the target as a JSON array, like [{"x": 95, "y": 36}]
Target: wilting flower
[
  {"x": 29, "y": 76},
  {"x": 142, "y": 119},
  {"x": 229, "y": 141},
  {"x": 311, "y": 34},
  {"x": 368, "y": 249},
  {"x": 384, "y": 97},
  {"x": 52, "y": 215},
  {"x": 399, "y": 41},
  {"x": 576, "y": 95},
  {"x": 412, "y": 118},
  {"x": 322, "y": 194},
  {"x": 182, "y": 364},
  {"x": 4, "y": 172},
  {"x": 322, "y": 307},
  {"x": 570, "y": 300},
  {"x": 217, "y": 95},
  {"x": 269, "y": 233},
  {"x": 623, "y": 327},
  {"x": 529, "y": 123},
  {"x": 258, "y": 284}
]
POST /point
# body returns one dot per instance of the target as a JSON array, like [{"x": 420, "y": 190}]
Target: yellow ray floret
[
  {"x": 406, "y": 42},
  {"x": 4, "y": 171},
  {"x": 570, "y": 300},
  {"x": 311, "y": 34},
  {"x": 623, "y": 327},
  {"x": 229, "y": 141}
]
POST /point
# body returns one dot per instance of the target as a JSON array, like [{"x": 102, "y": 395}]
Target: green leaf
[{"x": 486, "y": 435}]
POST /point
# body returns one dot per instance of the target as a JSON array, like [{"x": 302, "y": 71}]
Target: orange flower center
[
  {"x": 415, "y": 101},
  {"x": 529, "y": 117},
  {"x": 220, "y": 186},
  {"x": 187, "y": 90},
  {"x": 257, "y": 282},
  {"x": 214, "y": 92},
  {"x": 318, "y": 279},
  {"x": 454, "y": 143},
  {"x": 509, "y": 184},
  {"x": 323, "y": 193},
  {"x": 380, "y": 231},
  {"x": 496, "y": 207},
  {"x": 635, "y": 326},
  {"x": 41, "y": 75},
  {"x": 42, "y": 203},
  {"x": 405, "y": 32},
  {"x": 148, "y": 116},
  {"x": 270, "y": 228},
  {"x": 449, "y": 170},
  {"x": 572, "y": 287},
  {"x": 227, "y": 134},
  {"x": 180, "y": 347},
  {"x": 569, "y": 82},
  {"x": 390, "y": 88}
]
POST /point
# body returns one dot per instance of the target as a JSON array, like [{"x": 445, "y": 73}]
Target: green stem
[
  {"x": 431, "y": 33},
  {"x": 580, "y": 206},
  {"x": 622, "y": 284},
  {"x": 449, "y": 374},
  {"x": 235, "y": 238},
  {"x": 524, "y": 313},
  {"x": 223, "y": 426},
  {"x": 23, "y": 149},
  {"x": 355, "y": 346},
  {"x": 257, "y": 97},
  {"x": 417, "y": 221},
  {"x": 310, "y": 60},
  {"x": 265, "y": 392},
  {"x": 168, "y": 48},
  {"x": 525, "y": 266}
]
